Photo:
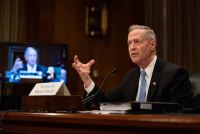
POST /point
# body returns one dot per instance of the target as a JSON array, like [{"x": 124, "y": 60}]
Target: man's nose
[{"x": 132, "y": 46}]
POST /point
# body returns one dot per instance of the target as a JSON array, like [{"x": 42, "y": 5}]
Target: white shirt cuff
[{"x": 90, "y": 88}]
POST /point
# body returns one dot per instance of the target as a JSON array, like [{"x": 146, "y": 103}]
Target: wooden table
[{"x": 60, "y": 123}]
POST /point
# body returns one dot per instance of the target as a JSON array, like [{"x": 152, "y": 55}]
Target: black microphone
[
  {"x": 114, "y": 70},
  {"x": 87, "y": 99}
]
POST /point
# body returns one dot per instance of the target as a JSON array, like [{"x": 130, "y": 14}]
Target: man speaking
[
  {"x": 31, "y": 65},
  {"x": 153, "y": 80}
]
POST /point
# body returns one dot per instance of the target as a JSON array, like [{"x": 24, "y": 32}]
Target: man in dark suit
[
  {"x": 152, "y": 80},
  {"x": 31, "y": 66}
]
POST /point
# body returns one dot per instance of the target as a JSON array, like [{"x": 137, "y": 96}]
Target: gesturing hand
[
  {"x": 83, "y": 70},
  {"x": 17, "y": 65}
]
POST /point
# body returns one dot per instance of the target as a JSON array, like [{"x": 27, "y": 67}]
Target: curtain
[
  {"x": 9, "y": 14},
  {"x": 177, "y": 25}
]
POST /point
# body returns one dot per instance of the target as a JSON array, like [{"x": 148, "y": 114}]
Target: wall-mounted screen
[{"x": 33, "y": 62}]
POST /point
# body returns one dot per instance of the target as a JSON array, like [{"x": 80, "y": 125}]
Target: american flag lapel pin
[{"x": 154, "y": 83}]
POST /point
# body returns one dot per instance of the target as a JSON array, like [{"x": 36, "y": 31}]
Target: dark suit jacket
[
  {"x": 15, "y": 78},
  {"x": 169, "y": 83},
  {"x": 38, "y": 68}
]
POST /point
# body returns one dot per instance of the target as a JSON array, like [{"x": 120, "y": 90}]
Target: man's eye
[
  {"x": 137, "y": 41},
  {"x": 129, "y": 42}
]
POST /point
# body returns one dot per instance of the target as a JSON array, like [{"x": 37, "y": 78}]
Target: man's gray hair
[{"x": 149, "y": 32}]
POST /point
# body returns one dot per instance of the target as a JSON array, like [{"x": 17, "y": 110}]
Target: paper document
[
  {"x": 115, "y": 106},
  {"x": 104, "y": 112}
]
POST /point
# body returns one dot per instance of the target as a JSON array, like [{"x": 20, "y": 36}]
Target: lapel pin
[{"x": 154, "y": 83}]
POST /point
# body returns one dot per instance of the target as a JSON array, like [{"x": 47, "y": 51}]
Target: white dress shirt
[
  {"x": 32, "y": 69},
  {"x": 149, "y": 71}
]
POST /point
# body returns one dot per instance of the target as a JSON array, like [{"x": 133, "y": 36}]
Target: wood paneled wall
[
  {"x": 176, "y": 23},
  {"x": 63, "y": 21}
]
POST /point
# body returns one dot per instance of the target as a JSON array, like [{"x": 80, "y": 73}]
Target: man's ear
[{"x": 153, "y": 45}]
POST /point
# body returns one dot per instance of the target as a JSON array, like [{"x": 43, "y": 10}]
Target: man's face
[
  {"x": 31, "y": 57},
  {"x": 141, "y": 48}
]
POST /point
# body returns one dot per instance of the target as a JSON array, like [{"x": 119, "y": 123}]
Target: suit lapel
[
  {"x": 136, "y": 80},
  {"x": 130, "y": 85},
  {"x": 154, "y": 80},
  {"x": 38, "y": 68},
  {"x": 25, "y": 67}
]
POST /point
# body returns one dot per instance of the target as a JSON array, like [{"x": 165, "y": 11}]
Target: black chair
[{"x": 195, "y": 81}]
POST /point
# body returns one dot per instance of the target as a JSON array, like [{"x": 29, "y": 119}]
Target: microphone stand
[{"x": 91, "y": 97}]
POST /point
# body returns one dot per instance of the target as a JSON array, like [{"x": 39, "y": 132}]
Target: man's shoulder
[
  {"x": 168, "y": 67},
  {"x": 135, "y": 71},
  {"x": 166, "y": 64},
  {"x": 41, "y": 67}
]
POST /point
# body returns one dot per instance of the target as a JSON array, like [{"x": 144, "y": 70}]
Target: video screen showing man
[{"x": 31, "y": 69}]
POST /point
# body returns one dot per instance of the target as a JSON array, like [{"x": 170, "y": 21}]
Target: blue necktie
[{"x": 142, "y": 86}]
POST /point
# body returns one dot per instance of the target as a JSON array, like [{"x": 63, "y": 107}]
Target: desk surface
[{"x": 23, "y": 122}]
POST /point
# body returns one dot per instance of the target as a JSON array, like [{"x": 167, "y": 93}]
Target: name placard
[{"x": 50, "y": 89}]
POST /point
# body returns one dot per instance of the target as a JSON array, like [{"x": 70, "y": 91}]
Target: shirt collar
[
  {"x": 31, "y": 69},
  {"x": 150, "y": 67}
]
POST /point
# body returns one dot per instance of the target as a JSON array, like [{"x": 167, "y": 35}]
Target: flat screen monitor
[{"x": 33, "y": 62}]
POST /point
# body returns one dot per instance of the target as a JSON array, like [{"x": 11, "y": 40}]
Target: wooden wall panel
[
  {"x": 63, "y": 21},
  {"x": 176, "y": 23}
]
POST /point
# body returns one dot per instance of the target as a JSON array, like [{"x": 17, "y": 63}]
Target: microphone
[{"x": 114, "y": 70}]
